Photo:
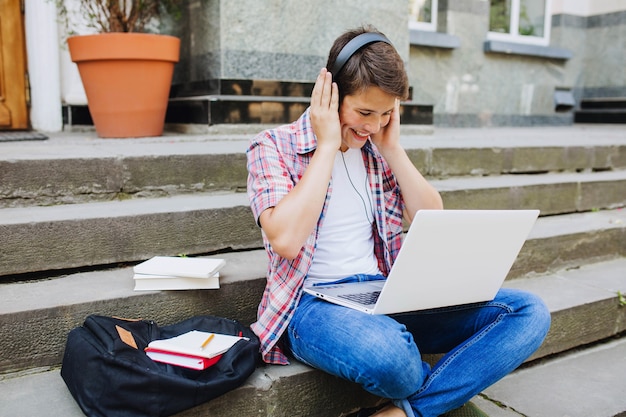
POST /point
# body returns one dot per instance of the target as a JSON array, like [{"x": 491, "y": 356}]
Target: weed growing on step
[{"x": 622, "y": 299}]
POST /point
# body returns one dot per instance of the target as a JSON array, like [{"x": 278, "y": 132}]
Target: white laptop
[{"x": 448, "y": 257}]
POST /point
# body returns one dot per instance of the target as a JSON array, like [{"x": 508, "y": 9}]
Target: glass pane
[
  {"x": 500, "y": 16},
  {"x": 531, "y": 17},
  {"x": 420, "y": 11}
]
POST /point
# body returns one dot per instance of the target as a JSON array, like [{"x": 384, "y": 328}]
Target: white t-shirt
[{"x": 345, "y": 244}]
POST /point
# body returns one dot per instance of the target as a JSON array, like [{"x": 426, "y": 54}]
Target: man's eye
[{"x": 364, "y": 113}]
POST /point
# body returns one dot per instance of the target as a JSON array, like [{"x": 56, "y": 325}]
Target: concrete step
[
  {"x": 584, "y": 303},
  {"x": 603, "y": 103},
  {"x": 557, "y": 387},
  {"x": 272, "y": 391},
  {"x": 77, "y": 167},
  {"x": 182, "y": 194},
  {"x": 104, "y": 233},
  {"x": 601, "y": 110},
  {"x": 617, "y": 116},
  {"x": 74, "y": 169},
  {"x": 48, "y": 308},
  {"x": 586, "y": 382},
  {"x": 584, "y": 306},
  {"x": 553, "y": 193}
]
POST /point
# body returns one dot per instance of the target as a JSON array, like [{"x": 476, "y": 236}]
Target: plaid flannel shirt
[{"x": 277, "y": 159}]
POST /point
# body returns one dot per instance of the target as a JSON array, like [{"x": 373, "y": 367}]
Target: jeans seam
[
  {"x": 344, "y": 365},
  {"x": 350, "y": 370},
  {"x": 471, "y": 341}
]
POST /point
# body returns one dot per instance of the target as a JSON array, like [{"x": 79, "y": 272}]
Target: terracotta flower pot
[{"x": 127, "y": 79}]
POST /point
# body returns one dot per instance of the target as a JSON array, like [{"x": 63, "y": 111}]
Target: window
[
  {"x": 525, "y": 21},
  {"x": 423, "y": 15}
]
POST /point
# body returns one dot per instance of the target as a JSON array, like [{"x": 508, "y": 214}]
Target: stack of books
[
  {"x": 177, "y": 273},
  {"x": 194, "y": 349}
]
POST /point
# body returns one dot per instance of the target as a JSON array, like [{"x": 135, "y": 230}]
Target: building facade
[{"x": 472, "y": 62}]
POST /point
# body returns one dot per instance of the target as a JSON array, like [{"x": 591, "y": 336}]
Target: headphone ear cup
[{"x": 353, "y": 46}]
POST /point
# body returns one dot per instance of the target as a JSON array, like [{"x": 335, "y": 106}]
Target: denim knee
[
  {"x": 539, "y": 317},
  {"x": 396, "y": 372},
  {"x": 530, "y": 319}
]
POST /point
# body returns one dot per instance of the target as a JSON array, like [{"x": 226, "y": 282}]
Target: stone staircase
[
  {"x": 76, "y": 212},
  {"x": 601, "y": 110}
]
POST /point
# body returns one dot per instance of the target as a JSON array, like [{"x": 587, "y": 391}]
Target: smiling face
[{"x": 364, "y": 114}]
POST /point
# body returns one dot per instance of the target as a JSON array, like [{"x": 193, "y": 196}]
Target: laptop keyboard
[{"x": 362, "y": 298}]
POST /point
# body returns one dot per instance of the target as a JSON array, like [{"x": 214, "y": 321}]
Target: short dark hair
[{"x": 377, "y": 64}]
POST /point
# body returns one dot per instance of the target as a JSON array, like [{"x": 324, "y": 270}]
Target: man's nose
[{"x": 373, "y": 125}]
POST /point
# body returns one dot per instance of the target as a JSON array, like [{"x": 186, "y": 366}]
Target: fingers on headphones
[
  {"x": 325, "y": 92},
  {"x": 334, "y": 98},
  {"x": 318, "y": 88},
  {"x": 324, "y": 89}
]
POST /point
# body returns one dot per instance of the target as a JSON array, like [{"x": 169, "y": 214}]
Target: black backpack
[{"x": 107, "y": 377}]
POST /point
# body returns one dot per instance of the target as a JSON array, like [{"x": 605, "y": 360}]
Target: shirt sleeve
[{"x": 268, "y": 177}]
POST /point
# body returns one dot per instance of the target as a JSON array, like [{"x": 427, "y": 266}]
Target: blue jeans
[{"x": 482, "y": 343}]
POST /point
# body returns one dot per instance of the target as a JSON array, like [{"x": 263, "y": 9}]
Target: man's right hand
[{"x": 325, "y": 111}]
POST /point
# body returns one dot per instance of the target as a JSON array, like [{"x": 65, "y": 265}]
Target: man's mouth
[{"x": 362, "y": 135}]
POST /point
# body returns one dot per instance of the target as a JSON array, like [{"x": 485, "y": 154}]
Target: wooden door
[{"x": 13, "y": 100}]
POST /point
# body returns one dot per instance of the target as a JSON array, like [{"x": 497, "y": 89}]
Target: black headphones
[{"x": 354, "y": 45}]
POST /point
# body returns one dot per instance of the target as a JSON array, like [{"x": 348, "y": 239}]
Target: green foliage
[
  {"x": 621, "y": 298},
  {"x": 500, "y": 16},
  {"x": 526, "y": 28}
]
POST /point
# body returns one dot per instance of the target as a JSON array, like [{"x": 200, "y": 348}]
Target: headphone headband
[{"x": 354, "y": 45}]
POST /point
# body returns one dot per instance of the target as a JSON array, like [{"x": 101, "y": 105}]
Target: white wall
[
  {"x": 54, "y": 78},
  {"x": 72, "y": 91},
  {"x": 587, "y": 7},
  {"x": 42, "y": 49}
]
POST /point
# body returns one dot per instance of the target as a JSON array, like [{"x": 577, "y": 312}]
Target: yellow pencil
[{"x": 208, "y": 339}]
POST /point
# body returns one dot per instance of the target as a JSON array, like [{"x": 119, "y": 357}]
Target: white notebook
[
  {"x": 176, "y": 266},
  {"x": 145, "y": 282}
]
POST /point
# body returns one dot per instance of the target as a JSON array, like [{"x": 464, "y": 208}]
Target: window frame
[
  {"x": 514, "y": 35},
  {"x": 426, "y": 26}
]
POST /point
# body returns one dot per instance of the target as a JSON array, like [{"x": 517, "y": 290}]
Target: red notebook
[
  {"x": 181, "y": 359},
  {"x": 194, "y": 349}
]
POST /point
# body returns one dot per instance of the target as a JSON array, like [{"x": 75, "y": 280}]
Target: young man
[{"x": 329, "y": 192}]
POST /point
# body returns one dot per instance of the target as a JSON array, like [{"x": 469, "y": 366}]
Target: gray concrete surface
[
  {"x": 87, "y": 144},
  {"x": 586, "y": 383}
]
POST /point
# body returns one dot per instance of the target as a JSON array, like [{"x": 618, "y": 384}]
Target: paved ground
[{"x": 587, "y": 383}]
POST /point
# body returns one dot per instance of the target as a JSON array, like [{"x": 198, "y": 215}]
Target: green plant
[
  {"x": 117, "y": 15},
  {"x": 526, "y": 28},
  {"x": 621, "y": 298},
  {"x": 499, "y": 16}
]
